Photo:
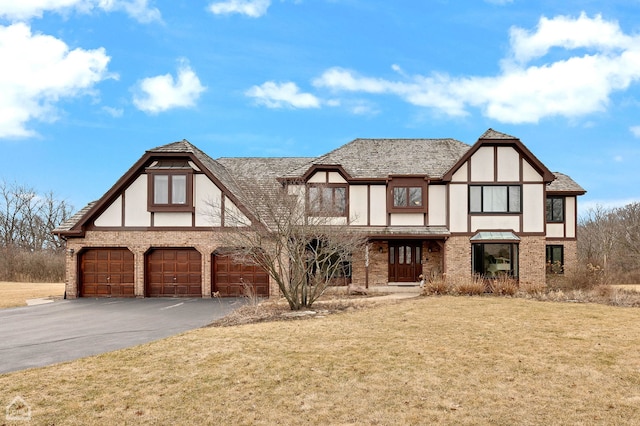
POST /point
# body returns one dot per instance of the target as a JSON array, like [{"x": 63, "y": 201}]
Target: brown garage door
[
  {"x": 174, "y": 272},
  {"x": 229, "y": 275},
  {"x": 106, "y": 273}
]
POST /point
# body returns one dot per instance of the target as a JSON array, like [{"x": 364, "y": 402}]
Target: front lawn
[
  {"x": 14, "y": 294},
  {"x": 446, "y": 360}
]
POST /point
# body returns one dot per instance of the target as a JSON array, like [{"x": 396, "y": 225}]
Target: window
[
  {"x": 327, "y": 200},
  {"x": 495, "y": 199},
  {"x": 407, "y": 196},
  {"x": 495, "y": 259},
  {"x": 555, "y": 209},
  {"x": 555, "y": 259},
  {"x": 170, "y": 191}
]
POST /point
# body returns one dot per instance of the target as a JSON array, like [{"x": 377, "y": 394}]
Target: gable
[
  {"x": 127, "y": 203},
  {"x": 502, "y": 158}
]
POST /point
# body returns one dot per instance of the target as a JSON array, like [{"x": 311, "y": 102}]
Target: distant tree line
[
  {"x": 30, "y": 252},
  {"x": 609, "y": 243}
]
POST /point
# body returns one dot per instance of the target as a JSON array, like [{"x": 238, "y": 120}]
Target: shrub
[
  {"x": 503, "y": 285},
  {"x": 436, "y": 285},
  {"x": 32, "y": 266},
  {"x": 468, "y": 286}
]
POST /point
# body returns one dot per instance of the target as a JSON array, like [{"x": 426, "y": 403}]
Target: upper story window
[
  {"x": 327, "y": 200},
  {"x": 495, "y": 199},
  {"x": 170, "y": 191},
  {"x": 555, "y": 209},
  {"x": 409, "y": 196},
  {"x": 406, "y": 194}
]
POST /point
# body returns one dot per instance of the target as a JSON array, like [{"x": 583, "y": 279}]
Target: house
[{"x": 426, "y": 206}]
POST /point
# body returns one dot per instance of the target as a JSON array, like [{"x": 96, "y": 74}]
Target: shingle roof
[
  {"x": 184, "y": 146},
  {"x": 69, "y": 223},
  {"x": 493, "y": 134},
  {"x": 564, "y": 183},
  {"x": 379, "y": 158}
]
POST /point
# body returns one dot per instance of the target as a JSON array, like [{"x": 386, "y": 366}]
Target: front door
[{"x": 405, "y": 261}]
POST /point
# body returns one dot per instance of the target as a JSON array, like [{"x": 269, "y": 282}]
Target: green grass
[{"x": 442, "y": 360}]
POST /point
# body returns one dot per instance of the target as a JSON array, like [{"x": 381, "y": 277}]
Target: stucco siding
[
  {"x": 378, "y": 203},
  {"x": 533, "y": 208},
  {"x": 135, "y": 206},
  {"x": 495, "y": 222},
  {"x": 437, "y": 205},
  {"x": 555, "y": 230},
  {"x": 335, "y": 177},
  {"x": 358, "y": 204},
  {"x": 508, "y": 164},
  {"x": 112, "y": 216},
  {"x": 482, "y": 165},
  {"x": 458, "y": 208},
  {"x": 529, "y": 174},
  {"x": 161, "y": 219},
  {"x": 207, "y": 199},
  {"x": 407, "y": 219},
  {"x": 570, "y": 216}
]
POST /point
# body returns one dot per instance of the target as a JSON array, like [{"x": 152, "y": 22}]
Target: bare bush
[
  {"x": 503, "y": 285},
  {"x": 31, "y": 266},
  {"x": 468, "y": 286}
]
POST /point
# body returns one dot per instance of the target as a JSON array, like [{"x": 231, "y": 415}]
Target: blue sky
[{"x": 86, "y": 86}]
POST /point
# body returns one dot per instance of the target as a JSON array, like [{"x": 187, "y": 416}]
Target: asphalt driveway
[{"x": 35, "y": 336}]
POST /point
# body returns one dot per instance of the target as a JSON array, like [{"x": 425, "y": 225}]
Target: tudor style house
[{"x": 426, "y": 206}]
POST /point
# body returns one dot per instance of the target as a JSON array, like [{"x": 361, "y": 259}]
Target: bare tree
[
  {"x": 302, "y": 253},
  {"x": 27, "y": 218}
]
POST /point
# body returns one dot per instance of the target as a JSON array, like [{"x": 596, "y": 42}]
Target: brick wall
[
  {"x": 532, "y": 260},
  {"x": 458, "y": 257},
  {"x": 139, "y": 243}
]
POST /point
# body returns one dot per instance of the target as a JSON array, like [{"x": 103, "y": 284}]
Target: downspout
[{"x": 366, "y": 266}]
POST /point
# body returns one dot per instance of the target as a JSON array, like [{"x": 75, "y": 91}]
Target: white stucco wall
[
  {"x": 358, "y": 204},
  {"x": 482, "y": 165},
  {"x": 533, "y": 208},
  {"x": 570, "y": 216},
  {"x": 458, "y": 207},
  {"x": 461, "y": 175},
  {"x": 437, "y": 205},
  {"x": 378, "y": 204},
  {"x": 112, "y": 216},
  {"x": 407, "y": 219},
  {"x": 555, "y": 230},
  {"x": 207, "y": 200},
  {"x": 495, "y": 222},
  {"x": 508, "y": 164},
  {"x": 318, "y": 177},
  {"x": 529, "y": 174},
  {"x": 135, "y": 206},
  {"x": 162, "y": 219},
  {"x": 335, "y": 177}
]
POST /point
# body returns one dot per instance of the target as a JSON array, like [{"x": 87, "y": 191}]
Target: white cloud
[
  {"x": 635, "y": 130},
  {"x": 161, "y": 93},
  {"x": 251, "y": 8},
  {"x": 275, "y": 95},
  {"x": 114, "y": 112},
  {"x": 523, "y": 92},
  {"x": 568, "y": 33},
  {"x": 43, "y": 70},
  {"x": 21, "y": 10}
]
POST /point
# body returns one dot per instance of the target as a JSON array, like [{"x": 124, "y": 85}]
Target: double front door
[{"x": 405, "y": 261}]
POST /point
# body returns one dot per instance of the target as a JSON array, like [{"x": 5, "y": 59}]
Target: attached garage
[
  {"x": 173, "y": 272},
  {"x": 229, "y": 277},
  {"x": 106, "y": 272}
]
